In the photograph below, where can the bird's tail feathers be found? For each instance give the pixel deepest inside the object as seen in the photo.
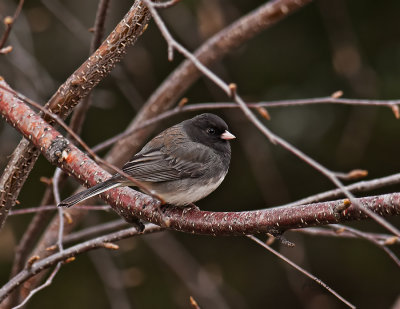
(88, 193)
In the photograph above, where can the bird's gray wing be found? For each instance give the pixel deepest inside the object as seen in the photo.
(166, 159)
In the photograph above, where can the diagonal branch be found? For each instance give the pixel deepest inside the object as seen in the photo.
(63, 256)
(77, 86)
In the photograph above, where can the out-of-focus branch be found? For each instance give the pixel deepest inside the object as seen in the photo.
(302, 270)
(77, 86)
(79, 114)
(9, 21)
(40, 265)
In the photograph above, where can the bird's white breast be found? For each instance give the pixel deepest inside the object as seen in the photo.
(194, 193)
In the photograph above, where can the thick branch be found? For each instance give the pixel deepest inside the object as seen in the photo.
(129, 203)
(77, 86)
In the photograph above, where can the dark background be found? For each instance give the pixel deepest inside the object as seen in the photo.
(353, 46)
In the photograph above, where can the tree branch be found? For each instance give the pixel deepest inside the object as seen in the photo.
(45, 263)
(77, 86)
(129, 203)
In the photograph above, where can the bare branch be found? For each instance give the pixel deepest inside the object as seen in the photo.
(78, 85)
(45, 263)
(41, 287)
(9, 21)
(368, 237)
(342, 233)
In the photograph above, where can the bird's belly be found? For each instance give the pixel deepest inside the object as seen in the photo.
(193, 191)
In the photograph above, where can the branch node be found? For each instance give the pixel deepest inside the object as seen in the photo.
(46, 180)
(356, 174)
(69, 260)
(58, 150)
(135, 221)
(32, 260)
(110, 245)
(278, 234)
(342, 206)
(263, 112)
(395, 110)
(68, 217)
(340, 230)
(6, 50)
(233, 90)
(337, 94)
(8, 20)
(193, 303)
(182, 102)
(391, 240)
(52, 248)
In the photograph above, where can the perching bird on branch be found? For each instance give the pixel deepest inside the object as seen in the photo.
(181, 165)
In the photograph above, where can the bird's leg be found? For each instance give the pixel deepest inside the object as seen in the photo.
(136, 222)
(190, 207)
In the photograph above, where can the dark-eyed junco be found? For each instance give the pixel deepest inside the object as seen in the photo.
(182, 164)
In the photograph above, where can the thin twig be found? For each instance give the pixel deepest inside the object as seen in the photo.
(319, 231)
(188, 269)
(54, 207)
(112, 279)
(30, 236)
(56, 192)
(302, 270)
(369, 238)
(10, 23)
(166, 4)
(49, 280)
(96, 230)
(361, 186)
(80, 111)
(67, 18)
(73, 251)
(228, 105)
(41, 287)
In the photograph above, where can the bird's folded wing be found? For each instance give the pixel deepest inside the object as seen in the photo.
(156, 166)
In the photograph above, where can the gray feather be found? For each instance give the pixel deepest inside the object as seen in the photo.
(84, 195)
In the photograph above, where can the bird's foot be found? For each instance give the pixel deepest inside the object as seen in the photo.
(190, 207)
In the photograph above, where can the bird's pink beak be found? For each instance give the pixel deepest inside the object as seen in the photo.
(227, 135)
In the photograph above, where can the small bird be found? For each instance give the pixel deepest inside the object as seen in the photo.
(181, 165)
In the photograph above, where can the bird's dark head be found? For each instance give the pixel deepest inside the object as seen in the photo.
(210, 130)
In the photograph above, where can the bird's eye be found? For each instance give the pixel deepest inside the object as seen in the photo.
(211, 131)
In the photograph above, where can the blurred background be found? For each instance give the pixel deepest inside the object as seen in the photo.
(353, 46)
